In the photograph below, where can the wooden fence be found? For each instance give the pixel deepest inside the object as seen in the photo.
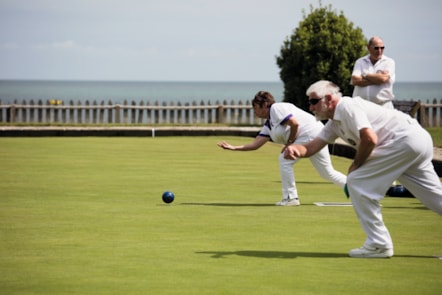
(56, 112)
(128, 113)
(430, 114)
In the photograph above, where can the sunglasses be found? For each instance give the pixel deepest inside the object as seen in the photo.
(378, 47)
(314, 101)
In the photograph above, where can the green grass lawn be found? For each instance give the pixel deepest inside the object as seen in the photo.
(85, 216)
(436, 134)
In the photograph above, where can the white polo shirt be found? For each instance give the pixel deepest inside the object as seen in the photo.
(354, 114)
(376, 93)
(280, 112)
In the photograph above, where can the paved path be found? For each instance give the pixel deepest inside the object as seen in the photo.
(437, 154)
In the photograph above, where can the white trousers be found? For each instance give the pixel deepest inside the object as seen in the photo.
(322, 163)
(406, 158)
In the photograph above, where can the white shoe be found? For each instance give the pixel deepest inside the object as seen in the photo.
(366, 252)
(288, 202)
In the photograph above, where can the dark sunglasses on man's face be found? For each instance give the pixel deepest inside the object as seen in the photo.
(314, 101)
(379, 47)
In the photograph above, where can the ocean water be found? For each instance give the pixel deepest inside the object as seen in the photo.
(118, 92)
(178, 92)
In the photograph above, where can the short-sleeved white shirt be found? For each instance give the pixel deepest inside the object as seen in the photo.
(354, 114)
(376, 93)
(276, 129)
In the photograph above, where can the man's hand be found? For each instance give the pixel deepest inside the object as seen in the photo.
(295, 151)
(292, 152)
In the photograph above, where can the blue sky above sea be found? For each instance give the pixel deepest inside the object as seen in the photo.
(196, 40)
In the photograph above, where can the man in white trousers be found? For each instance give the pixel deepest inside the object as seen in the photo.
(287, 124)
(389, 145)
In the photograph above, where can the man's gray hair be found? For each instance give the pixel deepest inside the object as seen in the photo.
(322, 88)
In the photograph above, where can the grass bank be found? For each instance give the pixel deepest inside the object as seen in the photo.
(436, 134)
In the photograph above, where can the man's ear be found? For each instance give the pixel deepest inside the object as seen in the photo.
(328, 97)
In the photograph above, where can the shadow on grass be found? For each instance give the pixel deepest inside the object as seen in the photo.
(315, 182)
(309, 182)
(303, 204)
(229, 204)
(404, 208)
(238, 204)
(289, 255)
(273, 254)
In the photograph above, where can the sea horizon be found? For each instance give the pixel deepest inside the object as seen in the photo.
(170, 81)
(186, 81)
(116, 92)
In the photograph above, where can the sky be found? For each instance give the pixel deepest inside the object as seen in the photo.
(197, 40)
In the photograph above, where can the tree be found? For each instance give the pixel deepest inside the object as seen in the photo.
(325, 46)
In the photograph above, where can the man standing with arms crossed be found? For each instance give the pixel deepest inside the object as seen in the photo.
(389, 145)
(374, 75)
